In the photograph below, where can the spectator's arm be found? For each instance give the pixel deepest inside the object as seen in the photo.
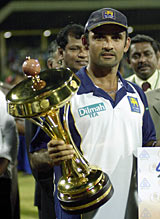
(40, 161)
(3, 165)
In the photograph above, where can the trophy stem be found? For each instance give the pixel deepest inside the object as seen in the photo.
(77, 167)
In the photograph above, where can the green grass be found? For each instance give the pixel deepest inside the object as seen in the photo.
(26, 190)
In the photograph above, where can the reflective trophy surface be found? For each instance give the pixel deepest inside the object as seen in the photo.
(39, 97)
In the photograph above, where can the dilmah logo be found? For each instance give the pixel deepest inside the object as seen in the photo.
(91, 110)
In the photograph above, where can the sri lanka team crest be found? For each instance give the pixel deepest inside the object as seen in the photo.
(134, 104)
(108, 14)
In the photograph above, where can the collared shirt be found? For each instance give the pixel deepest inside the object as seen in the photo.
(108, 133)
(154, 80)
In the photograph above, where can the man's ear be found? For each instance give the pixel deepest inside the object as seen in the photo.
(85, 42)
(126, 49)
(49, 63)
(127, 44)
(158, 55)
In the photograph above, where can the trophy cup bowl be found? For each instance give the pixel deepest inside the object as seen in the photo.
(81, 188)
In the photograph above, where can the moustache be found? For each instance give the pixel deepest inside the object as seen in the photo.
(111, 53)
(142, 65)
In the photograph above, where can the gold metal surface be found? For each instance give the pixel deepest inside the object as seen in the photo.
(26, 102)
(97, 200)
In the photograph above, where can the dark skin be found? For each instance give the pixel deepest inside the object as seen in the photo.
(143, 59)
(41, 160)
(107, 44)
(59, 151)
(3, 165)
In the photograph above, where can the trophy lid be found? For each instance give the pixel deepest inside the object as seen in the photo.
(26, 100)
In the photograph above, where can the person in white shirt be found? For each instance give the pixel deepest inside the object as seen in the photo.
(9, 195)
(143, 58)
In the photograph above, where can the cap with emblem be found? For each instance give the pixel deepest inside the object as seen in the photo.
(106, 16)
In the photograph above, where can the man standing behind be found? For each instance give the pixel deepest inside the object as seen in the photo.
(9, 194)
(143, 58)
(74, 53)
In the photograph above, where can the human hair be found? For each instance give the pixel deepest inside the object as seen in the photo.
(75, 30)
(158, 45)
(140, 38)
(52, 48)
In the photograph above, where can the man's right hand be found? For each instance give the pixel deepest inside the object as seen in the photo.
(59, 151)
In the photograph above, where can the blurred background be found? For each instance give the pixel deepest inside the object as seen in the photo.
(27, 27)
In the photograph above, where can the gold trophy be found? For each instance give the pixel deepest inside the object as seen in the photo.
(39, 97)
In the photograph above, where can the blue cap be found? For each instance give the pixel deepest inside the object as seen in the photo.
(106, 16)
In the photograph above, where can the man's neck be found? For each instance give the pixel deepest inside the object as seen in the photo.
(106, 80)
(103, 76)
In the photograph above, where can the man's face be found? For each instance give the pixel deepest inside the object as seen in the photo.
(75, 54)
(107, 45)
(143, 59)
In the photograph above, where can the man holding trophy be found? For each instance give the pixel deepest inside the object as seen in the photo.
(108, 119)
(111, 115)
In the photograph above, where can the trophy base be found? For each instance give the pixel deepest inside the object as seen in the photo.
(89, 200)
